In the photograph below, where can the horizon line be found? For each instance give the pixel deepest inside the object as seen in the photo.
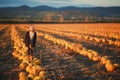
(59, 6)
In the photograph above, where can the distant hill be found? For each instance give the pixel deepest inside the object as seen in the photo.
(38, 11)
(44, 8)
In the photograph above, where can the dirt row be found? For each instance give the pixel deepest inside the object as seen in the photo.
(61, 63)
(3, 26)
(8, 64)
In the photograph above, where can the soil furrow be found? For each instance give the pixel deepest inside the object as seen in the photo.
(9, 65)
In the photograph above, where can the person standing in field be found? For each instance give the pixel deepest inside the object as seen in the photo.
(30, 41)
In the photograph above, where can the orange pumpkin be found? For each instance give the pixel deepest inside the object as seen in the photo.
(90, 55)
(26, 58)
(31, 76)
(28, 68)
(104, 59)
(37, 78)
(23, 66)
(95, 58)
(15, 53)
(109, 66)
(36, 69)
(21, 57)
(42, 75)
(22, 76)
(116, 65)
(37, 61)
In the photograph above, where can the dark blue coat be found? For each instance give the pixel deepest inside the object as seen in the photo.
(27, 40)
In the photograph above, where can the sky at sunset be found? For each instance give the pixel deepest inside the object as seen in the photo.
(60, 3)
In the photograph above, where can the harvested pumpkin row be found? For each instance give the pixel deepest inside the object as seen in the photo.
(103, 30)
(91, 54)
(29, 69)
(79, 36)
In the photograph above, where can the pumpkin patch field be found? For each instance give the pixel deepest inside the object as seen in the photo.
(62, 52)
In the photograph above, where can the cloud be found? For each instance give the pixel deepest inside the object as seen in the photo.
(60, 3)
(63, 0)
(78, 2)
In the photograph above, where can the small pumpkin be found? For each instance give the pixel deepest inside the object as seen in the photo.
(42, 75)
(36, 69)
(95, 58)
(109, 66)
(22, 76)
(28, 68)
(90, 55)
(116, 65)
(37, 61)
(104, 59)
(31, 76)
(23, 65)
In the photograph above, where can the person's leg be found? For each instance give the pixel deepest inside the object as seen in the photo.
(28, 51)
(31, 54)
